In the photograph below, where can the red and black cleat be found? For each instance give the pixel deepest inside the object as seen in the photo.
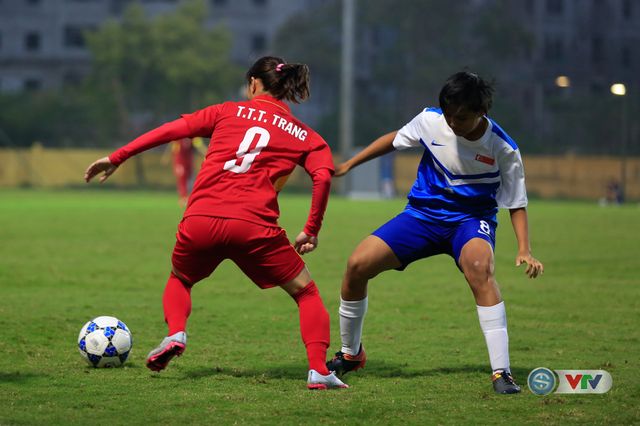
(343, 363)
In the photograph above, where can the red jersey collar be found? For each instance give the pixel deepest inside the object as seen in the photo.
(271, 100)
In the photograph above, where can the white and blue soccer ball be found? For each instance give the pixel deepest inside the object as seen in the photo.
(105, 342)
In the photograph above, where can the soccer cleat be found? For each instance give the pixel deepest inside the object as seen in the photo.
(317, 381)
(342, 363)
(503, 383)
(171, 346)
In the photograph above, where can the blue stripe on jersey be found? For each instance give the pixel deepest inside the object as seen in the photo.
(452, 176)
(432, 198)
(436, 110)
(495, 128)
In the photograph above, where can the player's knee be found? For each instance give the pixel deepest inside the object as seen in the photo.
(359, 267)
(478, 272)
(186, 281)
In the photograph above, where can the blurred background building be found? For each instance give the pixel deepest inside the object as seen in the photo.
(566, 71)
(43, 46)
(580, 49)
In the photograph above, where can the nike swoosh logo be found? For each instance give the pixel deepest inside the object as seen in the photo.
(434, 143)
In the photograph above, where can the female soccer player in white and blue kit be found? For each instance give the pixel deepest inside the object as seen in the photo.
(470, 168)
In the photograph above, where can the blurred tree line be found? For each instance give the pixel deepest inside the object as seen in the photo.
(144, 71)
(148, 70)
(405, 52)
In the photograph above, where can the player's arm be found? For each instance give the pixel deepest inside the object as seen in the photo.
(307, 240)
(168, 132)
(408, 136)
(512, 195)
(200, 123)
(382, 145)
(318, 163)
(520, 223)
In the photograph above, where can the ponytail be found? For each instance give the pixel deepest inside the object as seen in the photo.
(280, 79)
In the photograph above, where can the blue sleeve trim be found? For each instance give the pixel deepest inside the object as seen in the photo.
(495, 128)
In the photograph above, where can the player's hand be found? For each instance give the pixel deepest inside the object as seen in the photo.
(534, 266)
(305, 243)
(341, 169)
(99, 166)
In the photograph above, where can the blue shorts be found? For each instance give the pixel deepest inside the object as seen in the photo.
(412, 238)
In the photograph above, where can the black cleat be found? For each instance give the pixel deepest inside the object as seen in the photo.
(343, 363)
(503, 383)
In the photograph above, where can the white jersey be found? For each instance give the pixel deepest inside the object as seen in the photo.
(457, 178)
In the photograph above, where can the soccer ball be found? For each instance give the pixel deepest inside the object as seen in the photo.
(105, 342)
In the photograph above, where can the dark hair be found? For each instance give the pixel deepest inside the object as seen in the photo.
(469, 90)
(282, 80)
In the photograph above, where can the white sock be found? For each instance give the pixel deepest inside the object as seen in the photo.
(493, 321)
(352, 314)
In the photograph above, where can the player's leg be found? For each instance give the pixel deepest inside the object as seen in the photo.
(192, 260)
(314, 329)
(476, 260)
(370, 258)
(394, 245)
(314, 319)
(267, 257)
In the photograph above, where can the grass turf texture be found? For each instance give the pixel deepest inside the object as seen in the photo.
(66, 257)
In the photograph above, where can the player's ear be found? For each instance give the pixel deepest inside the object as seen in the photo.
(252, 87)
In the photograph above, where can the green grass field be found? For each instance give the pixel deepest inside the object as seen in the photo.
(66, 257)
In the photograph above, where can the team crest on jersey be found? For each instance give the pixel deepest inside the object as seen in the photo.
(484, 159)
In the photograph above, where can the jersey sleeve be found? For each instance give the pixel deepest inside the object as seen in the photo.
(410, 134)
(318, 163)
(319, 199)
(512, 193)
(318, 157)
(168, 132)
(202, 122)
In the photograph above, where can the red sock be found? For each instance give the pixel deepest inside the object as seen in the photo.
(314, 326)
(176, 301)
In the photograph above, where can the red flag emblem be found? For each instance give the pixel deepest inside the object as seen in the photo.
(487, 160)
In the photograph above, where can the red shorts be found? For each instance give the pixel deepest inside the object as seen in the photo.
(263, 253)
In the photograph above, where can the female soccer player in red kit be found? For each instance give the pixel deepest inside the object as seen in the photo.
(232, 212)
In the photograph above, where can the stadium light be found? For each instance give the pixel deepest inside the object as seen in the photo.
(563, 81)
(619, 89)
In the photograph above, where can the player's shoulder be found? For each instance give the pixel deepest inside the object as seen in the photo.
(429, 115)
(426, 117)
(228, 106)
(311, 135)
(432, 111)
(502, 138)
(314, 137)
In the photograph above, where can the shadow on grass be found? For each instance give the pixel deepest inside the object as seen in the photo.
(279, 372)
(18, 377)
(374, 368)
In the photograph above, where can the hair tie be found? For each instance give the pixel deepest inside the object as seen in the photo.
(279, 67)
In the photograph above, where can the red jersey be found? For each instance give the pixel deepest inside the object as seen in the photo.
(255, 145)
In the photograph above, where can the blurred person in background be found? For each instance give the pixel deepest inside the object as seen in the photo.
(469, 168)
(182, 151)
(233, 210)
